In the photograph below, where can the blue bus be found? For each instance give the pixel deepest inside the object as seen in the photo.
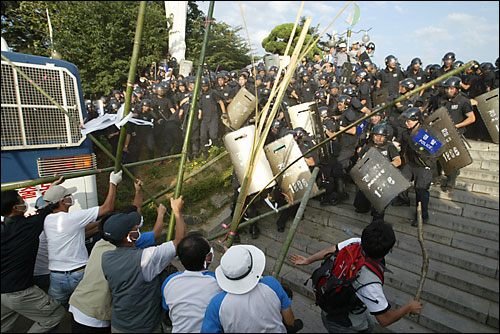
(38, 140)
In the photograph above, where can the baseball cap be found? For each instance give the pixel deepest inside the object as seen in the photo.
(356, 42)
(119, 225)
(342, 45)
(57, 193)
(240, 269)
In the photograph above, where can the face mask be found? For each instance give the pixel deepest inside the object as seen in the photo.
(207, 263)
(72, 200)
(134, 240)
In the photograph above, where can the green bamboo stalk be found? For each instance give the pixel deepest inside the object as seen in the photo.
(259, 217)
(72, 119)
(257, 150)
(169, 189)
(192, 113)
(295, 224)
(399, 99)
(35, 182)
(130, 82)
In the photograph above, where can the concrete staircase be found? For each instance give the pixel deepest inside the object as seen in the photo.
(461, 292)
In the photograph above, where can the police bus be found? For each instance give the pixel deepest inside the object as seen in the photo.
(38, 139)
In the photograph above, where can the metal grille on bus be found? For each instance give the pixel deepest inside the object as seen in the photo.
(47, 167)
(29, 119)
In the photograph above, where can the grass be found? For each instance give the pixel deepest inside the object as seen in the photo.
(157, 177)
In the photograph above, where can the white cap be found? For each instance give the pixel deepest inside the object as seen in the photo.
(342, 45)
(57, 193)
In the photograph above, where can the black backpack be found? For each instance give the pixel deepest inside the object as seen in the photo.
(332, 281)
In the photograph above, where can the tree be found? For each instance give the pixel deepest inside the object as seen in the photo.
(278, 39)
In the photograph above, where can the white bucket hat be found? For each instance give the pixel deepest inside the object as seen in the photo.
(240, 269)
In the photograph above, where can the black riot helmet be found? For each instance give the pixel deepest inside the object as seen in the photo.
(350, 90)
(146, 102)
(412, 114)
(449, 56)
(408, 83)
(486, 67)
(452, 82)
(333, 84)
(366, 63)
(300, 133)
(320, 94)
(416, 61)
(346, 99)
(160, 90)
(323, 76)
(273, 68)
(475, 65)
(370, 45)
(457, 64)
(390, 59)
(205, 82)
(382, 130)
(323, 111)
(233, 74)
(115, 105)
(362, 73)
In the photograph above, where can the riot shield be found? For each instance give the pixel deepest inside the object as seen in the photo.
(427, 141)
(380, 98)
(272, 60)
(306, 116)
(240, 108)
(378, 179)
(239, 145)
(455, 154)
(488, 109)
(294, 181)
(345, 78)
(185, 67)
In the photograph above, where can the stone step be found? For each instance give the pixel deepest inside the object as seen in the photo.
(480, 187)
(479, 174)
(294, 277)
(484, 155)
(485, 165)
(463, 196)
(482, 146)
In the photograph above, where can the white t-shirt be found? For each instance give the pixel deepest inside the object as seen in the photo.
(186, 296)
(65, 233)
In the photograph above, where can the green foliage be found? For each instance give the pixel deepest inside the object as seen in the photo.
(98, 37)
(279, 37)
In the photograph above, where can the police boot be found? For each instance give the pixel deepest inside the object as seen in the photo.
(341, 195)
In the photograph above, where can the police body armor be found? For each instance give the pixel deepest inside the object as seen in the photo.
(240, 108)
(185, 67)
(488, 109)
(294, 181)
(380, 98)
(378, 179)
(272, 60)
(455, 155)
(306, 116)
(239, 145)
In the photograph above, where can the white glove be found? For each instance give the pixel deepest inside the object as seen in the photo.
(115, 178)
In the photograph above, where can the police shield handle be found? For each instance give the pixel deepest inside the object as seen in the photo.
(425, 255)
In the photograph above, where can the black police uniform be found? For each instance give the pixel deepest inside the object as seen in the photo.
(364, 93)
(209, 127)
(420, 77)
(307, 91)
(145, 132)
(390, 80)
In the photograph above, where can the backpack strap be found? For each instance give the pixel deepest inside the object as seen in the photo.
(375, 267)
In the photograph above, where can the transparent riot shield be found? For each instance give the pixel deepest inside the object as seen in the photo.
(240, 108)
(239, 146)
(295, 180)
(455, 154)
(306, 116)
(488, 109)
(378, 179)
(272, 60)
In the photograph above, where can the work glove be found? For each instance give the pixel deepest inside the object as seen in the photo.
(115, 178)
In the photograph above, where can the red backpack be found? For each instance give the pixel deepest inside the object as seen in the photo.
(332, 281)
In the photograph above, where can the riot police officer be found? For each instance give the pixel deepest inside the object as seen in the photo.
(307, 88)
(448, 60)
(390, 77)
(207, 105)
(364, 89)
(379, 138)
(145, 132)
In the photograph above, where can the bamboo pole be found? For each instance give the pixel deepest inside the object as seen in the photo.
(256, 151)
(192, 113)
(295, 224)
(399, 99)
(208, 164)
(261, 216)
(72, 119)
(425, 255)
(130, 82)
(35, 182)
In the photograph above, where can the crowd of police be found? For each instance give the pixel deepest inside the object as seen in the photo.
(345, 85)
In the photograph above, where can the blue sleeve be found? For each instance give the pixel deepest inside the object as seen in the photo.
(278, 289)
(147, 239)
(211, 322)
(163, 302)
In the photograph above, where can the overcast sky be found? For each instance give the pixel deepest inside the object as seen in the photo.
(405, 29)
